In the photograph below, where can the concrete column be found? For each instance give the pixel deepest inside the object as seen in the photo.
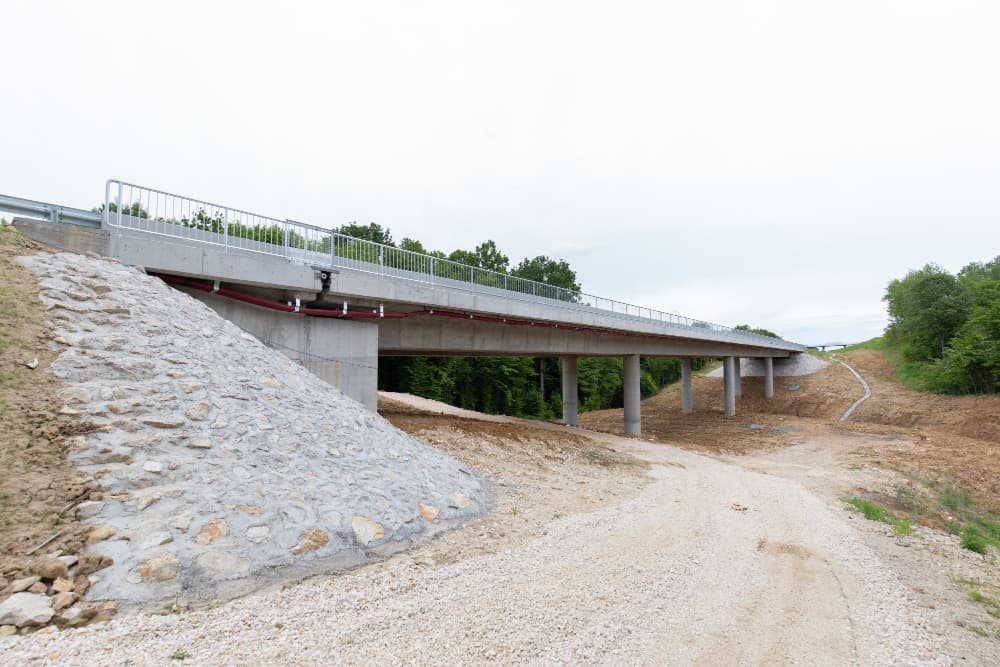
(687, 402)
(768, 378)
(569, 390)
(633, 418)
(738, 376)
(729, 386)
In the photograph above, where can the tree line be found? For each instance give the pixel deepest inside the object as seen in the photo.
(949, 325)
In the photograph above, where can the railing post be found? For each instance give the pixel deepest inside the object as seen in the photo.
(225, 228)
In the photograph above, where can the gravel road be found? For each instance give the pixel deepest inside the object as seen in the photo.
(708, 564)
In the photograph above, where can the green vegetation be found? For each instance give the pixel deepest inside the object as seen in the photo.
(756, 330)
(875, 512)
(180, 654)
(944, 334)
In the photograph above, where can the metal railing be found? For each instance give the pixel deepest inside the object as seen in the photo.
(134, 207)
(51, 212)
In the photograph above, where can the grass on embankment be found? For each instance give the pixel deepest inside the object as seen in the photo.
(915, 375)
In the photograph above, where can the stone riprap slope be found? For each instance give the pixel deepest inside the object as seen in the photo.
(223, 465)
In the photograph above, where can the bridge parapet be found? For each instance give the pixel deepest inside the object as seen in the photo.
(131, 209)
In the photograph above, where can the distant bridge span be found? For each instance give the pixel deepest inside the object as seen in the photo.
(336, 303)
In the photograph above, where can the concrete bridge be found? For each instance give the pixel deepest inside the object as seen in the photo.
(336, 303)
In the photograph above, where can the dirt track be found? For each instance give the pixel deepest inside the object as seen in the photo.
(609, 550)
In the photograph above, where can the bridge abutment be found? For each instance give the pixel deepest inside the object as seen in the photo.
(342, 353)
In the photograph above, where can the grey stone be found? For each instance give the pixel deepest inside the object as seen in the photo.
(26, 610)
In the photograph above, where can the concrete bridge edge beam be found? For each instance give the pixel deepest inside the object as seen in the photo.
(768, 378)
(570, 390)
(729, 386)
(633, 415)
(687, 404)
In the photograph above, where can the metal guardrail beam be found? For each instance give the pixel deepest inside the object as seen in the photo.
(51, 212)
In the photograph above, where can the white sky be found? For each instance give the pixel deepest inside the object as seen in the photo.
(775, 163)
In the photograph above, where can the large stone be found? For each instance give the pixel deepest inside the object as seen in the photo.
(49, 568)
(198, 411)
(428, 512)
(62, 600)
(20, 585)
(162, 568)
(26, 610)
(164, 421)
(458, 501)
(366, 531)
(88, 509)
(61, 585)
(100, 533)
(90, 562)
(212, 531)
(310, 540)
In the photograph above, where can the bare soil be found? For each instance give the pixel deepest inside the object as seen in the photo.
(925, 436)
(37, 482)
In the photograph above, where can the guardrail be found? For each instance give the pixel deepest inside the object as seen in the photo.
(163, 213)
(52, 212)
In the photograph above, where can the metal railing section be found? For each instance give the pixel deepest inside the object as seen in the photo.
(163, 213)
(51, 212)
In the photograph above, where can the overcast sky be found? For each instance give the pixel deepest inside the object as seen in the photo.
(775, 163)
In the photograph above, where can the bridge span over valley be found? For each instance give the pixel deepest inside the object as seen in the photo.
(336, 303)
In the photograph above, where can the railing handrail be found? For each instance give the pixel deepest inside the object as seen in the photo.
(381, 250)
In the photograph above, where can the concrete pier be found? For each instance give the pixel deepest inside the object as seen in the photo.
(729, 386)
(768, 378)
(569, 391)
(687, 402)
(738, 376)
(633, 417)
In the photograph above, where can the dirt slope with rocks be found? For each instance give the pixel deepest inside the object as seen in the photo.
(221, 466)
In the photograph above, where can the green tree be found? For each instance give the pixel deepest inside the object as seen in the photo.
(926, 308)
(542, 269)
(370, 232)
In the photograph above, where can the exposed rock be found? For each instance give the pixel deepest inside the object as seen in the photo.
(198, 411)
(61, 585)
(39, 588)
(310, 540)
(8, 630)
(212, 531)
(458, 500)
(164, 421)
(26, 610)
(75, 616)
(90, 562)
(199, 443)
(428, 512)
(366, 531)
(100, 533)
(20, 585)
(48, 568)
(156, 540)
(163, 568)
(33, 364)
(142, 502)
(62, 600)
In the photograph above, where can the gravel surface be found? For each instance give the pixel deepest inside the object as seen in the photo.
(707, 564)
